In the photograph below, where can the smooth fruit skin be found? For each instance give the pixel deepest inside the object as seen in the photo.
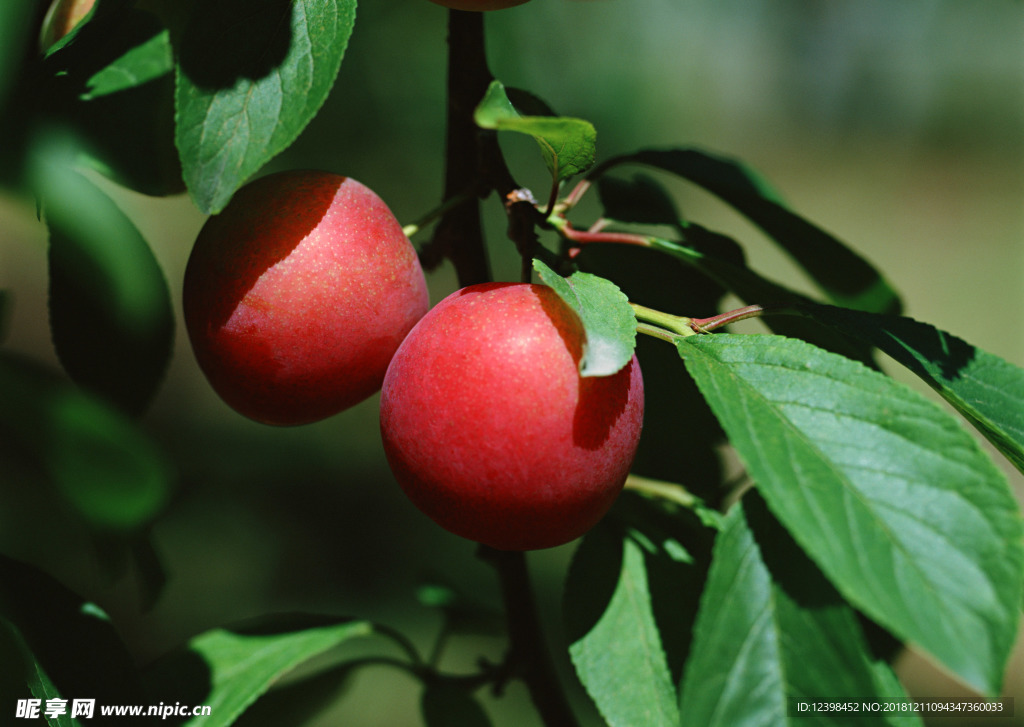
(479, 4)
(297, 295)
(490, 429)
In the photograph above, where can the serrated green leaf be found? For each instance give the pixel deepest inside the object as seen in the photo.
(607, 318)
(772, 632)
(104, 468)
(894, 501)
(842, 274)
(227, 669)
(246, 90)
(111, 315)
(567, 144)
(986, 389)
(615, 642)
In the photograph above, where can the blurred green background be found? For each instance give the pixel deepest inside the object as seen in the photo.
(897, 125)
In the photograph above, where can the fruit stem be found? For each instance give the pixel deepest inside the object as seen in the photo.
(680, 325)
(527, 646)
(706, 325)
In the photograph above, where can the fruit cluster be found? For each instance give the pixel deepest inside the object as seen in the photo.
(304, 297)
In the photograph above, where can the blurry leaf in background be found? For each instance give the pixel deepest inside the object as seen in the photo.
(889, 495)
(104, 468)
(641, 199)
(607, 318)
(451, 705)
(15, 23)
(245, 90)
(111, 315)
(568, 145)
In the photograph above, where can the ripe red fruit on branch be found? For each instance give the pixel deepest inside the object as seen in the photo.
(479, 4)
(490, 429)
(297, 295)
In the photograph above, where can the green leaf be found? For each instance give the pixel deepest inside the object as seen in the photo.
(772, 632)
(449, 705)
(567, 144)
(986, 389)
(607, 318)
(111, 314)
(846, 277)
(703, 249)
(104, 468)
(139, 65)
(245, 90)
(113, 85)
(891, 498)
(640, 199)
(615, 642)
(227, 669)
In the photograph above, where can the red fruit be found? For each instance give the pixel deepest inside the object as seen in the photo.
(490, 429)
(297, 295)
(479, 4)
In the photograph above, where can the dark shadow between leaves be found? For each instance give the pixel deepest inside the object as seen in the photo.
(72, 641)
(592, 579)
(182, 677)
(229, 40)
(904, 339)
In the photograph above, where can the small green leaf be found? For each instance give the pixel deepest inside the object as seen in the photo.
(227, 669)
(103, 467)
(245, 90)
(146, 62)
(607, 318)
(846, 277)
(111, 315)
(772, 632)
(567, 144)
(615, 642)
(891, 498)
(986, 389)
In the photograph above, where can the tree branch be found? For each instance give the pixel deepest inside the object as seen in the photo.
(459, 234)
(528, 648)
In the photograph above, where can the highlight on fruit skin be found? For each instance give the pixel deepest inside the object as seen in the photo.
(297, 295)
(479, 5)
(489, 428)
